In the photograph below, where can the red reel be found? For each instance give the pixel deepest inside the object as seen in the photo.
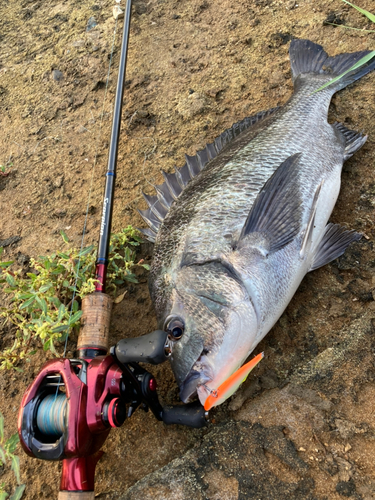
(67, 412)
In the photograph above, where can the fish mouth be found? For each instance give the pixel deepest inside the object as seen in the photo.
(198, 375)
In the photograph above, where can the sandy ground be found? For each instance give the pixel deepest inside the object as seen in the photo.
(303, 425)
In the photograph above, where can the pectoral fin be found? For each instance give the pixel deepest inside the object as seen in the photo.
(335, 241)
(277, 212)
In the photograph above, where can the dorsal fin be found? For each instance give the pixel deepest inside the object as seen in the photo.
(175, 182)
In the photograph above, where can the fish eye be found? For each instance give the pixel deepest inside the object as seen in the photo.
(175, 328)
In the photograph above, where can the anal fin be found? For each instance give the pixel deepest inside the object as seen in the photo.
(335, 241)
(353, 140)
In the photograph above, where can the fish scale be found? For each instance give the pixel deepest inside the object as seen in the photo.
(252, 175)
(233, 244)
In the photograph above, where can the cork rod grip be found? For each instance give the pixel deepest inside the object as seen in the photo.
(95, 320)
(76, 495)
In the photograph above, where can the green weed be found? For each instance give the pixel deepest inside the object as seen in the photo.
(45, 302)
(7, 449)
(5, 170)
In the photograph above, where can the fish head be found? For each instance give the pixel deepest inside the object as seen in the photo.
(219, 323)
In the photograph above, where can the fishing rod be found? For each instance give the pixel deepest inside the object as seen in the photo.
(69, 409)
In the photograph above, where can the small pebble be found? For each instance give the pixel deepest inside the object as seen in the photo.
(59, 181)
(60, 213)
(91, 23)
(57, 75)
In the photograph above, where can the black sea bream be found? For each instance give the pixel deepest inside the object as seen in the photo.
(239, 225)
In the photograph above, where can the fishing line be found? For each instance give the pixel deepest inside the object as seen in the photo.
(91, 186)
(213, 392)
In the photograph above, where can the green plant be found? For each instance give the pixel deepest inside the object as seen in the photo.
(5, 169)
(45, 303)
(364, 59)
(7, 449)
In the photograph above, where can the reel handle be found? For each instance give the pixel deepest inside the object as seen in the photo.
(191, 415)
(150, 348)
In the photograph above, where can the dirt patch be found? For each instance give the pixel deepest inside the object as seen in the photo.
(194, 68)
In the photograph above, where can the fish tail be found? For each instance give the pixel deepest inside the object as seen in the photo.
(308, 57)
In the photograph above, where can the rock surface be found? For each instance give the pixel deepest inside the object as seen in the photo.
(288, 442)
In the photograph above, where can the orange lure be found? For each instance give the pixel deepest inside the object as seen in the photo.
(231, 384)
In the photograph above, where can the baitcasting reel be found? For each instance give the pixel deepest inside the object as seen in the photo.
(69, 409)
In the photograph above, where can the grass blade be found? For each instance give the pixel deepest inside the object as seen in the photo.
(18, 493)
(64, 236)
(76, 316)
(58, 329)
(27, 303)
(355, 66)
(362, 11)
(1, 428)
(351, 28)
(16, 467)
(11, 443)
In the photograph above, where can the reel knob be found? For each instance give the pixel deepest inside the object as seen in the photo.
(114, 413)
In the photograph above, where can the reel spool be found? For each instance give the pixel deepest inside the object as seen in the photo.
(51, 415)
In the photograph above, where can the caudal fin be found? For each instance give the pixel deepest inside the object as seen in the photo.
(308, 57)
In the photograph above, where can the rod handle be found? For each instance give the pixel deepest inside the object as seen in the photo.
(76, 495)
(95, 321)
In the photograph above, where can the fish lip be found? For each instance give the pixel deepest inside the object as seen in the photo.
(188, 388)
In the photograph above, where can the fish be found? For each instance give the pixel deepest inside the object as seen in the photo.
(237, 228)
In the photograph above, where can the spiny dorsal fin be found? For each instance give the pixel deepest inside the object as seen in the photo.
(148, 233)
(175, 182)
(335, 241)
(155, 206)
(354, 140)
(277, 211)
